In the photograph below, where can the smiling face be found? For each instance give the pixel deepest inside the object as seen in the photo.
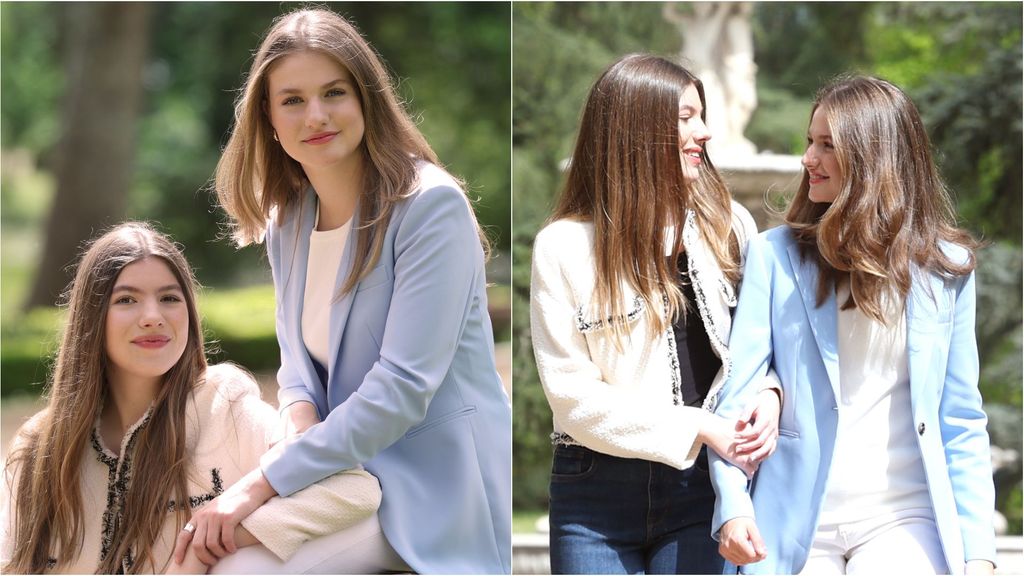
(693, 133)
(147, 322)
(820, 160)
(315, 111)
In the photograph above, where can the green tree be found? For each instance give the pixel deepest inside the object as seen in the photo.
(103, 54)
(451, 60)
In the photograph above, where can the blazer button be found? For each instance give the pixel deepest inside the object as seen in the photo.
(920, 429)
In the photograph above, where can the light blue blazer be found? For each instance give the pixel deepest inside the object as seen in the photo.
(413, 395)
(778, 325)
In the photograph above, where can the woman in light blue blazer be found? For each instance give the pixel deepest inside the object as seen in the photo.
(864, 305)
(387, 353)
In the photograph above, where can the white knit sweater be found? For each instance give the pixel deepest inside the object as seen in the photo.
(228, 428)
(627, 403)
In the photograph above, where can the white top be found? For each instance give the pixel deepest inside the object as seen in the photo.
(876, 467)
(322, 269)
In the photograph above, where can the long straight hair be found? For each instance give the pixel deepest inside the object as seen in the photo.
(48, 461)
(892, 211)
(255, 177)
(626, 178)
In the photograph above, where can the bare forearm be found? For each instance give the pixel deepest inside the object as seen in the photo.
(302, 415)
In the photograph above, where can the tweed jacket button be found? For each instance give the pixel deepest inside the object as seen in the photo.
(920, 429)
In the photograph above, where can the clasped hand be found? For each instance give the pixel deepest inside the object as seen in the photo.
(757, 429)
(751, 438)
(215, 523)
(214, 526)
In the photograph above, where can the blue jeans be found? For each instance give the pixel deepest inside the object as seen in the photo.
(614, 515)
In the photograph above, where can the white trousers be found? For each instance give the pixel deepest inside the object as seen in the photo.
(902, 543)
(359, 549)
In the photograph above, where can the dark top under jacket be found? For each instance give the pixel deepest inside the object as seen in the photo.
(698, 363)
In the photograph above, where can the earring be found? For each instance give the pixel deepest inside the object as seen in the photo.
(275, 136)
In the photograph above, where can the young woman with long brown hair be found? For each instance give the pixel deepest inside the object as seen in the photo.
(138, 431)
(864, 305)
(387, 351)
(634, 279)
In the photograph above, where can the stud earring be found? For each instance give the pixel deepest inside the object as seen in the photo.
(275, 136)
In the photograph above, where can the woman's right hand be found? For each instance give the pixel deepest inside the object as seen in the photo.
(296, 419)
(720, 435)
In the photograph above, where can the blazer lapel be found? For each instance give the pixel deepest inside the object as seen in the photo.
(295, 253)
(822, 319)
(340, 308)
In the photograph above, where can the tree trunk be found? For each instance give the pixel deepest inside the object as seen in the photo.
(104, 53)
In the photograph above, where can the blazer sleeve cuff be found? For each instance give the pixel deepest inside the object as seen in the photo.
(732, 499)
(980, 548)
(288, 396)
(277, 471)
(771, 382)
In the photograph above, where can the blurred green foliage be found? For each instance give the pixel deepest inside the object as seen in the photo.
(961, 63)
(451, 65)
(451, 60)
(525, 521)
(238, 323)
(27, 352)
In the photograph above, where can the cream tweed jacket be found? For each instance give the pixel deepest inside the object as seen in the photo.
(228, 428)
(627, 403)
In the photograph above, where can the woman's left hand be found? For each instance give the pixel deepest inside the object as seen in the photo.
(214, 524)
(759, 436)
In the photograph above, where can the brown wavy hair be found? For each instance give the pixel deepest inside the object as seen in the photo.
(255, 176)
(46, 462)
(892, 212)
(625, 177)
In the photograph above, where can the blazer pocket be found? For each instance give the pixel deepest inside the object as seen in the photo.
(932, 324)
(377, 277)
(587, 322)
(443, 419)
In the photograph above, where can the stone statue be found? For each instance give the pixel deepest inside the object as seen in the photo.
(718, 47)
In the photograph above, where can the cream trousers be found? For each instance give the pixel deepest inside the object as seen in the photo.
(359, 549)
(901, 543)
